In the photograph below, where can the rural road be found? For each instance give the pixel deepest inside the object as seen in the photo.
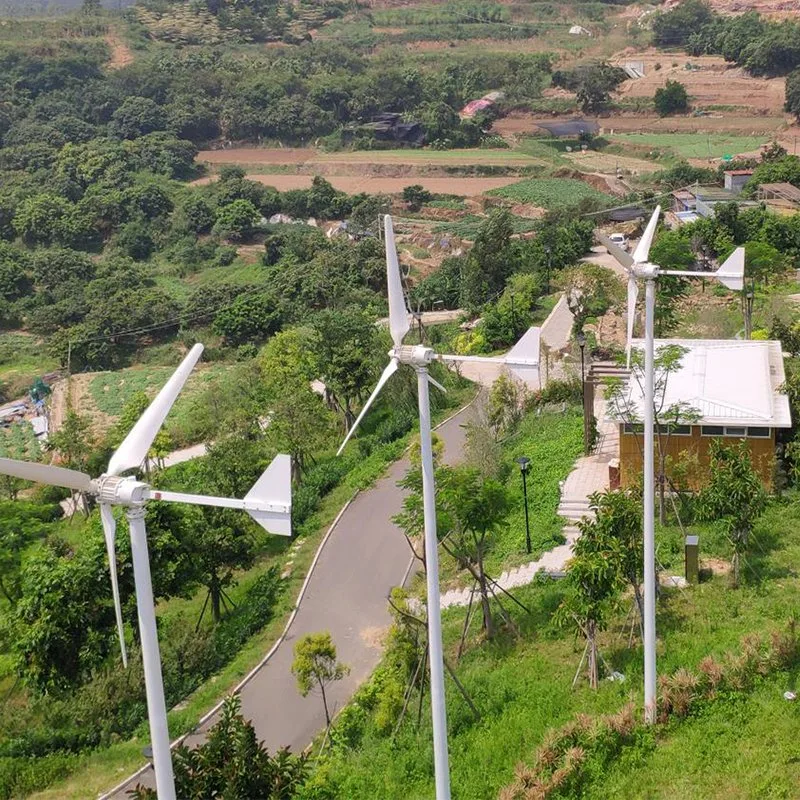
(365, 557)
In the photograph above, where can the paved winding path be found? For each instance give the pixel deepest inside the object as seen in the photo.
(364, 558)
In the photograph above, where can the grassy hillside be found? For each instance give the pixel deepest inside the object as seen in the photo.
(742, 745)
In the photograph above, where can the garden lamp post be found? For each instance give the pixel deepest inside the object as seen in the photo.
(747, 298)
(549, 252)
(524, 464)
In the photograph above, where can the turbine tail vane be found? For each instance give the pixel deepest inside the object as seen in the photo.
(731, 273)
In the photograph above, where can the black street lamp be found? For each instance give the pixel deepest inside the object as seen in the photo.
(749, 294)
(549, 251)
(524, 464)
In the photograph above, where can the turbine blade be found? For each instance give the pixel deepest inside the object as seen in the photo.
(274, 486)
(45, 473)
(642, 251)
(131, 453)
(633, 293)
(398, 313)
(623, 258)
(387, 373)
(437, 384)
(731, 273)
(110, 533)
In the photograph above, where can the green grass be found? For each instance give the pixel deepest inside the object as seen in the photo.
(695, 145)
(550, 193)
(552, 442)
(23, 358)
(742, 748)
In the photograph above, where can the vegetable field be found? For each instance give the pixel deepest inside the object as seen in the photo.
(18, 441)
(550, 193)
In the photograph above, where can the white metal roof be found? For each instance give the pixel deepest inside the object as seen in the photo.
(728, 382)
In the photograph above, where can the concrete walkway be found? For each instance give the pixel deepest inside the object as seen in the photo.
(589, 475)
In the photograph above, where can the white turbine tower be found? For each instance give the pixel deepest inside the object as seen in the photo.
(419, 357)
(268, 503)
(730, 274)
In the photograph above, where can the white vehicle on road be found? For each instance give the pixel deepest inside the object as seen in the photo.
(620, 240)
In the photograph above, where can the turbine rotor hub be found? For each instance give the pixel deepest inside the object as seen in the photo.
(646, 270)
(120, 491)
(415, 355)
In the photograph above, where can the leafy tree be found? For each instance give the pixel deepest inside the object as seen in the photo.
(470, 507)
(300, 424)
(504, 406)
(236, 221)
(763, 262)
(490, 262)
(673, 28)
(136, 117)
(792, 104)
(47, 218)
(671, 99)
(232, 763)
(74, 443)
(416, 196)
(593, 582)
(734, 496)
(671, 251)
(619, 515)
(64, 622)
(21, 524)
(315, 666)
(345, 347)
(251, 317)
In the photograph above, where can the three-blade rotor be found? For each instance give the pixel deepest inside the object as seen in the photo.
(399, 323)
(268, 502)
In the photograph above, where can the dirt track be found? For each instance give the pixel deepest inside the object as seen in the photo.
(464, 187)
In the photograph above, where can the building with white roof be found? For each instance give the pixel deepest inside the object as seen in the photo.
(733, 390)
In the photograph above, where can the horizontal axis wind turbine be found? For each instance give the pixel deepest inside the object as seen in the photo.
(638, 267)
(268, 503)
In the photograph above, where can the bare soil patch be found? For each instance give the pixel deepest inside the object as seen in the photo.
(372, 184)
(371, 161)
(711, 81)
(121, 54)
(592, 160)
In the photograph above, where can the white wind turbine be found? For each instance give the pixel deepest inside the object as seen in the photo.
(268, 503)
(730, 274)
(419, 357)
